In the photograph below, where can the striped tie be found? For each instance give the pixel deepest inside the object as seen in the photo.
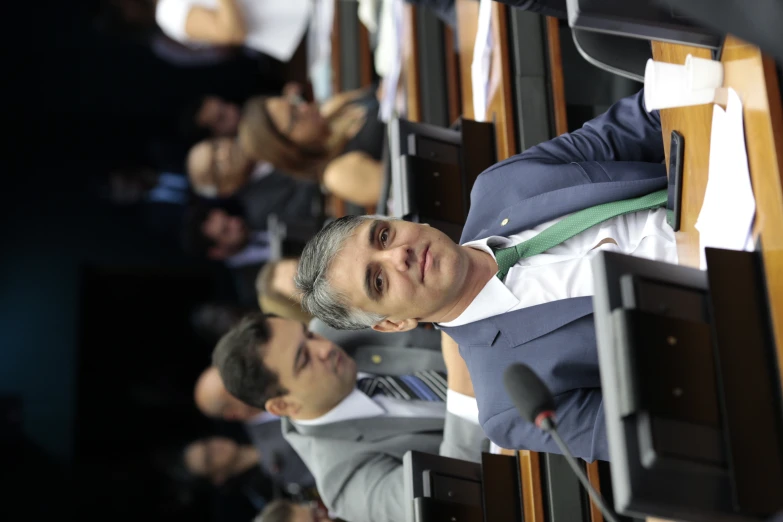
(426, 385)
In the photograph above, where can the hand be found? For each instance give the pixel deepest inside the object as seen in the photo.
(458, 375)
(292, 89)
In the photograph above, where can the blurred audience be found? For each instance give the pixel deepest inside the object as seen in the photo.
(273, 28)
(287, 511)
(277, 293)
(339, 143)
(217, 459)
(212, 320)
(218, 167)
(211, 116)
(214, 232)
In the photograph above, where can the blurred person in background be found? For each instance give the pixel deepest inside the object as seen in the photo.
(212, 116)
(218, 168)
(215, 232)
(287, 511)
(213, 319)
(218, 459)
(276, 291)
(338, 143)
(273, 28)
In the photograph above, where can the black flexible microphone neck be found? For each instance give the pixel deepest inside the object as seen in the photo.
(534, 402)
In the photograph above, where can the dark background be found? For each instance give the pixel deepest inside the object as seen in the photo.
(97, 359)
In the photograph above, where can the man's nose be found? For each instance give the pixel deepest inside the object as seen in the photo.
(398, 257)
(323, 349)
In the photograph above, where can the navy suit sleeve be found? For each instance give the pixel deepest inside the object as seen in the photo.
(580, 422)
(626, 132)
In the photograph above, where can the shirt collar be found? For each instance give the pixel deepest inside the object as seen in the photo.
(494, 299)
(357, 405)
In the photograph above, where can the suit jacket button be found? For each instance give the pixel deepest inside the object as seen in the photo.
(376, 359)
(504, 222)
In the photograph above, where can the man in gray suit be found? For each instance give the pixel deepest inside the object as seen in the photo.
(351, 428)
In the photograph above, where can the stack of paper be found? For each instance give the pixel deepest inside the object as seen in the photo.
(726, 217)
(391, 35)
(480, 67)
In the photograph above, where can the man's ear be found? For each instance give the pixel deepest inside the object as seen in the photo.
(282, 407)
(390, 326)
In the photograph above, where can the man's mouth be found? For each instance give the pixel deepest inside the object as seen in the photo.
(426, 261)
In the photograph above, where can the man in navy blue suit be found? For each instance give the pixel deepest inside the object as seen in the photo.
(390, 274)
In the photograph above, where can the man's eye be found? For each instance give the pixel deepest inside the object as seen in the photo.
(384, 237)
(379, 282)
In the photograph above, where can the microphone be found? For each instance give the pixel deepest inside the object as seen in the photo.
(535, 403)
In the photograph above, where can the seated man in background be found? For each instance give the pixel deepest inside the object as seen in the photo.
(217, 167)
(287, 511)
(276, 291)
(501, 296)
(276, 456)
(351, 429)
(216, 232)
(218, 459)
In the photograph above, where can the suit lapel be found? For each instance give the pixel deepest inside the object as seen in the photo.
(541, 208)
(522, 326)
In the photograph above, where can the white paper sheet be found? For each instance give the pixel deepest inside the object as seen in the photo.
(729, 207)
(393, 60)
(319, 49)
(482, 57)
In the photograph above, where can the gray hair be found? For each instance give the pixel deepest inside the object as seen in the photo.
(318, 296)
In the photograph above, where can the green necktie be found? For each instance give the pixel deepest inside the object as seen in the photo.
(572, 225)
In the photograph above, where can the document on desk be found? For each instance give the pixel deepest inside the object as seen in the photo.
(319, 49)
(391, 36)
(726, 216)
(482, 59)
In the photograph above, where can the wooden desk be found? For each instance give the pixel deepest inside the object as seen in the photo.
(410, 64)
(753, 76)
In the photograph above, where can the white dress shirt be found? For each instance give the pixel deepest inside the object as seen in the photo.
(358, 405)
(563, 271)
(273, 27)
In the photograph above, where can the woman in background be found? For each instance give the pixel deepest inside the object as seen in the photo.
(339, 143)
(277, 293)
(275, 28)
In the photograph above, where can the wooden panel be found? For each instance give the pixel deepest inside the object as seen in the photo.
(530, 471)
(410, 67)
(467, 17)
(336, 58)
(556, 80)
(500, 108)
(753, 77)
(595, 481)
(452, 74)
